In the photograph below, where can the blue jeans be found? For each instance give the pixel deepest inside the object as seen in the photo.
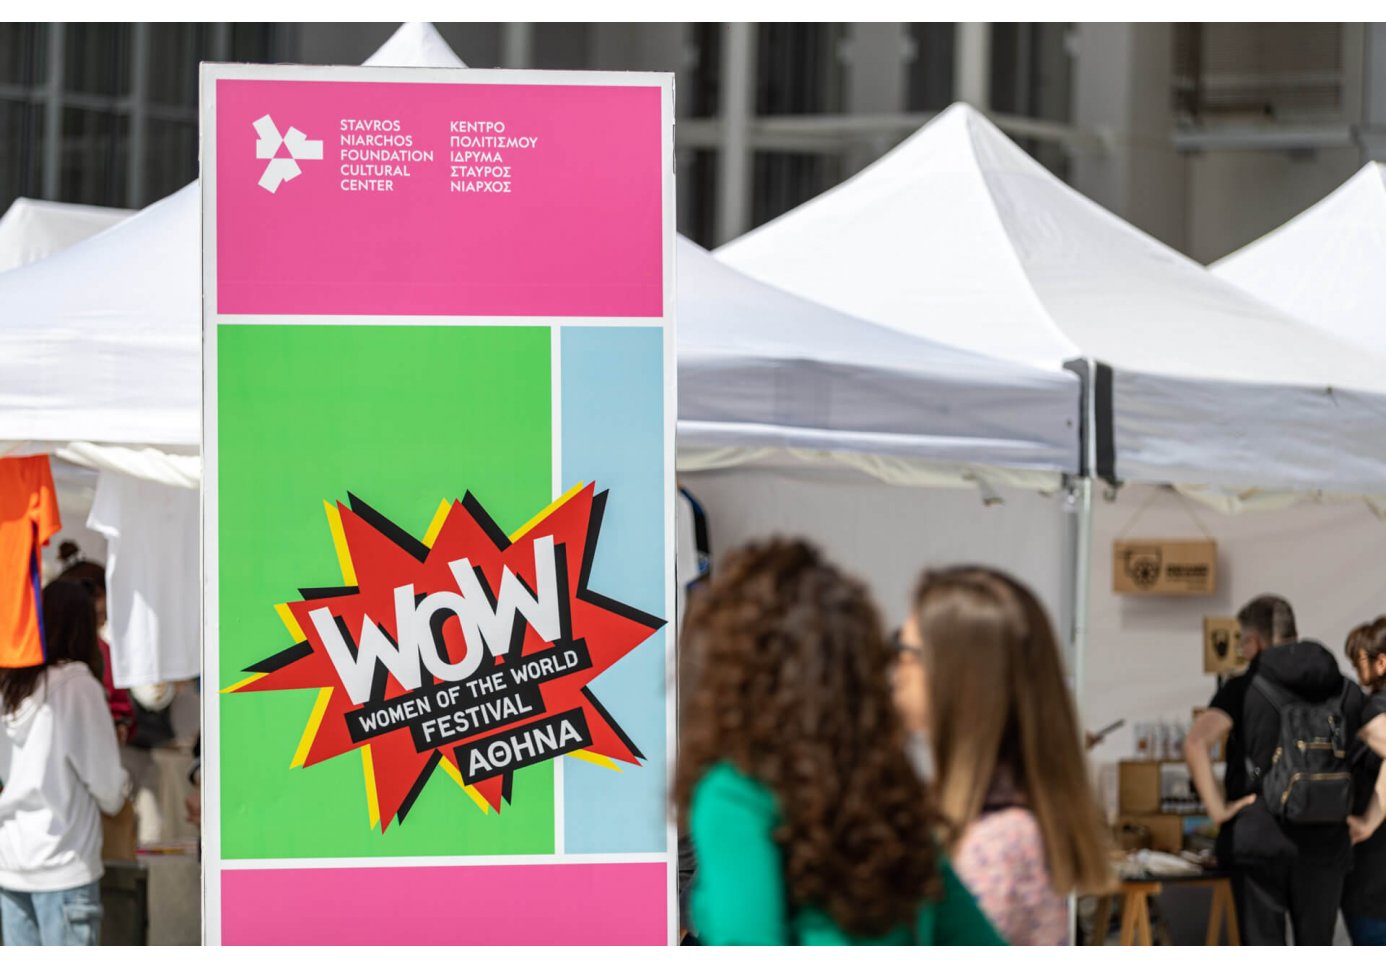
(1366, 931)
(70, 917)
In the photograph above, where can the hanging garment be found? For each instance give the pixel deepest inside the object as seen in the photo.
(693, 556)
(152, 592)
(28, 518)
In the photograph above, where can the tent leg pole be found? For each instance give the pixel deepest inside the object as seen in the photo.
(1080, 494)
(1082, 576)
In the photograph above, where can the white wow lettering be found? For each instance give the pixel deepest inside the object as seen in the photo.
(483, 626)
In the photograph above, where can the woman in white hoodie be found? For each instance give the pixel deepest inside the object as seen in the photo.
(60, 766)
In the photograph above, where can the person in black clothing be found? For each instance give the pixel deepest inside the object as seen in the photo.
(1279, 869)
(1364, 894)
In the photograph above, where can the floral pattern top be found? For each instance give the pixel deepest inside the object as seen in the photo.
(1001, 860)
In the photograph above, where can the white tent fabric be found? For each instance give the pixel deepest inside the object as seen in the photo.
(761, 369)
(33, 229)
(415, 44)
(960, 236)
(102, 341)
(1327, 265)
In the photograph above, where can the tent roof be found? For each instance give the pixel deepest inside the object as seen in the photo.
(33, 229)
(1328, 264)
(102, 341)
(415, 44)
(759, 367)
(961, 236)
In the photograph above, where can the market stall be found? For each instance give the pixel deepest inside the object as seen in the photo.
(1199, 396)
(799, 419)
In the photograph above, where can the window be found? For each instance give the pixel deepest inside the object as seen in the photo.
(21, 168)
(124, 115)
(697, 188)
(703, 102)
(931, 67)
(797, 68)
(95, 156)
(783, 180)
(1032, 76)
(22, 53)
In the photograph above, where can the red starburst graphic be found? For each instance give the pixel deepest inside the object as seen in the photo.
(520, 701)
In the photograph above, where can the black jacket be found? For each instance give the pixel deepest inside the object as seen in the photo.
(1309, 671)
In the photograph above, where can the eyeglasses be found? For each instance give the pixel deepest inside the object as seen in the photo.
(900, 647)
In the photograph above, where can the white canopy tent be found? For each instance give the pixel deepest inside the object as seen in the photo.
(960, 236)
(34, 229)
(1326, 265)
(792, 415)
(102, 341)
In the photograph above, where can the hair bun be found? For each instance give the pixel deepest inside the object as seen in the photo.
(68, 550)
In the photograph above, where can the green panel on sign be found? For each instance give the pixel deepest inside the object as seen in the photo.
(403, 417)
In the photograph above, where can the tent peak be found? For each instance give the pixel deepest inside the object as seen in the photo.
(961, 137)
(415, 44)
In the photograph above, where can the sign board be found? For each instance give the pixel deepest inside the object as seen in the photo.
(1157, 566)
(437, 508)
(1222, 645)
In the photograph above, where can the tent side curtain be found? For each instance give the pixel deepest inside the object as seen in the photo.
(1268, 437)
(1028, 423)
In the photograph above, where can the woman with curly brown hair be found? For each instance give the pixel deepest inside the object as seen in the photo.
(980, 673)
(809, 824)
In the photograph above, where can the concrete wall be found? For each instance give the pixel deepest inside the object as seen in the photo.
(1122, 93)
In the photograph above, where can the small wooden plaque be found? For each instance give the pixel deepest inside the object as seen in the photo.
(1156, 566)
(1222, 646)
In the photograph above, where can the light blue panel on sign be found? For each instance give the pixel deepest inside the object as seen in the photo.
(613, 434)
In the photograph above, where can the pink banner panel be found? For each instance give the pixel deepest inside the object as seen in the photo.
(438, 199)
(538, 904)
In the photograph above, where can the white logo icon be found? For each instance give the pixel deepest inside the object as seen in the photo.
(280, 170)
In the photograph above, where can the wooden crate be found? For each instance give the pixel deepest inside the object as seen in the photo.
(1138, 786)
(1166, 829)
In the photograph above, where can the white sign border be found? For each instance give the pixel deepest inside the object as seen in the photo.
(212, 863)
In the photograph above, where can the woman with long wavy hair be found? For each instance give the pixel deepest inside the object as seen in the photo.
(980, 673)
(809, 824)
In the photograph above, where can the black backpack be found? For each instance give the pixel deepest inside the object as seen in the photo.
(1308, 780)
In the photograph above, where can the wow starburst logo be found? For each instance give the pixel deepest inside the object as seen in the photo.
(470, 651)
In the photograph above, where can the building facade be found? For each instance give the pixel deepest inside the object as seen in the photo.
(1205, 135)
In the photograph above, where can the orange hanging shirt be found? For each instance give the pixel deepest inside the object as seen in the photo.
(28, 518)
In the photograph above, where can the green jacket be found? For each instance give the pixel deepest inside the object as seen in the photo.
(739, 894)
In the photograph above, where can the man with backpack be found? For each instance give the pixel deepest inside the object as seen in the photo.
(1290, 725)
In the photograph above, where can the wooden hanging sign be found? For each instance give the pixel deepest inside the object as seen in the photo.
(1159, 566)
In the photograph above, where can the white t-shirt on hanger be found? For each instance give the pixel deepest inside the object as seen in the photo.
(152, 594)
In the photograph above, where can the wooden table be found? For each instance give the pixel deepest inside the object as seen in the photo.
(1136, 893)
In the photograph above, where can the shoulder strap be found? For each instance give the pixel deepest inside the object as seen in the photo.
(1277, 695)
